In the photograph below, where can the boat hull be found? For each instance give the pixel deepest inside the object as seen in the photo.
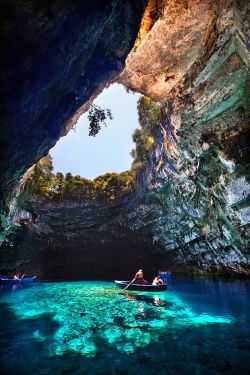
(141, 287)
(23, 281)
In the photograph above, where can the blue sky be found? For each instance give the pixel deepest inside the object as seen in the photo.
(110, 150)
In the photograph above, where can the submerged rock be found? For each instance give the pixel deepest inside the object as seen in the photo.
(191, 207)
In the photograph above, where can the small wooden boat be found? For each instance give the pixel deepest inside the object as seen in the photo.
(5, 281)
(141, 287)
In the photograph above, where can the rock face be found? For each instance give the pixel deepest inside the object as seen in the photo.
(200, 164)
(171, 47)
(192, 203)
(76, 240)
(54, 56)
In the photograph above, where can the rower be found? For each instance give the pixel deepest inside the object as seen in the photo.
(139, 277)
(157, 281)
(18, 276)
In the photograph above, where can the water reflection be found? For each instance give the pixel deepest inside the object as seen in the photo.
(158, 301)
(154, 300)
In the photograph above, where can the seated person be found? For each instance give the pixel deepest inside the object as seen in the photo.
(139, 277)
(17, 276)
(157, 281)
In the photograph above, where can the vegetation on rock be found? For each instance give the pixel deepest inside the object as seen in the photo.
(149, 118)
(110, 188)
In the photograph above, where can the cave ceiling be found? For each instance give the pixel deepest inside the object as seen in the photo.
(55, 55)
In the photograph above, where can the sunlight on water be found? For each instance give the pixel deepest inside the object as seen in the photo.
(88, 314)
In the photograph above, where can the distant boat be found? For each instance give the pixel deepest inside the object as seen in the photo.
(165, 275)
(141, 287)
(5, 281)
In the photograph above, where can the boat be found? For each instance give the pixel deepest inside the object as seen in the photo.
(165, 275)
(5, 281)
(141, 287)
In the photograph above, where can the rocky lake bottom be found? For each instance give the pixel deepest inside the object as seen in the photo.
(199, 326)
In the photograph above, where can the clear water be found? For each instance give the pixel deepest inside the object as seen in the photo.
(199, 326)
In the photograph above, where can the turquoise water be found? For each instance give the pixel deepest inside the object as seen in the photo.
(199, 326)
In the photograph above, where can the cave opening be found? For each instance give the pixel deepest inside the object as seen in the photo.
(110, 150)
(68, 216)
(183, 206)
(195, 124)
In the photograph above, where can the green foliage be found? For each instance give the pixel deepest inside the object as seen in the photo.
(96, 116)
(110, 188)
(149, 114)
(113, 187)
(137, 165)
(77, 188)
(42, 178)
(68, 177)
(149, 118)
(58, 182)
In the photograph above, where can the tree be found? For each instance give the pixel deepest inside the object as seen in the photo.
(68, 177)
(96, 116)
(149, 118)
(58, 181)
(41, 181)
(149, 114)
(110, 188)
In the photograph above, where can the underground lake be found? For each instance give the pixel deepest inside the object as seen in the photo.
(200, 325)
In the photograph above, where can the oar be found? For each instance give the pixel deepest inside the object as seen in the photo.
(129, 284)
(21, 278)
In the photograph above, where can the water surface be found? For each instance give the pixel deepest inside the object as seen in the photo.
(199, 326)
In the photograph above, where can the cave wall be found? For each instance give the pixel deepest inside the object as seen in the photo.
(68, 239)
(55, 56)
(200, 75)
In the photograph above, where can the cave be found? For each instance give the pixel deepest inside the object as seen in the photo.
(172, 231)
(189, 210)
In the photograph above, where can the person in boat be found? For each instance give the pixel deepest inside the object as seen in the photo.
(139, 277)
(18, 276)
(157, 281)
